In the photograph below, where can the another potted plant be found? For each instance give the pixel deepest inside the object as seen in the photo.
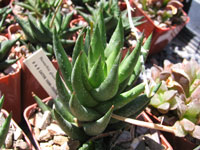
(10, 78)
(165, 18)
(38, 34)
(178, 99)
(12, 137)
(96, 81)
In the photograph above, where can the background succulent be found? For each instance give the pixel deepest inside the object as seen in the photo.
(168, 12)
(111, 12)
(4, 12)
(96, 82)
(5, 49)
(38, 32)
(38, 8)
(180, 92)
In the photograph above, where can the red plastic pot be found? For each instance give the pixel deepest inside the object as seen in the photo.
(178, 143)
(27, 113)
(4, 3)
(29, 84)
(10, 86)
(161, 36)
(122, 5)
(31, 109)
(12, 29)
(5, 113)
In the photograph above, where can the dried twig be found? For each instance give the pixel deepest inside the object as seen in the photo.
(54, 16)
(146, 124)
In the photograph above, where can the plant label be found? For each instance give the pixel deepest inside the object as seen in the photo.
(43, 70)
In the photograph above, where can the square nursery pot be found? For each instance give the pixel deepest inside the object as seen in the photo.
(30, 84)
(161, 36)
(30, 110)
(22, 135)
(178, 143)
(10, 87)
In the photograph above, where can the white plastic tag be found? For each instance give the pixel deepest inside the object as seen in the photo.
(43, 70)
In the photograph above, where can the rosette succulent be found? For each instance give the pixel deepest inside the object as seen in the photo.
(179, 91)
(165, 12)
(93, 85)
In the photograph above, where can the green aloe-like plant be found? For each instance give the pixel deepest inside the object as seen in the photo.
(180, 92)
(5, 48)
(4, 12)
(5, 125)
(38, 8)
(111, 13)
(93, 85)
(38, 32)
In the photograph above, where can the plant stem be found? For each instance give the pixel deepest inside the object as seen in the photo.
(54, 16)
(145, 124)
(133, 28)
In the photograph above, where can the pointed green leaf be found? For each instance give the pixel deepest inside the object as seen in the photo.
(63, 61)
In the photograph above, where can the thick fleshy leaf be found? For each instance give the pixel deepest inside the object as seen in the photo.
(155, 72)
(164, 108)
(196, 132)
(196, 93)
(192, 111)
(182, 78)
(179, 130)
(164, 75)
(167, 65)
(169, 95)
(155, 101)
(187, 125)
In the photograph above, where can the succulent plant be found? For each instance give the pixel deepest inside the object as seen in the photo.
(168, 12)
(38, 32)
(38, 8)
(111, 13)
(4, 127)
(5, 48)
(94, 83)
(4, 12)
(180, 92)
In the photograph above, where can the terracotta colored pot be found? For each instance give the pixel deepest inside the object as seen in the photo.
(3, 38)
(29, 84)
(178, 143)
(12, 29)
(122, 5)
(75, 22)
(27, 113)
(31, 109)
(5, 113)
(161, 36)
(4, 3)
(10, 86)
